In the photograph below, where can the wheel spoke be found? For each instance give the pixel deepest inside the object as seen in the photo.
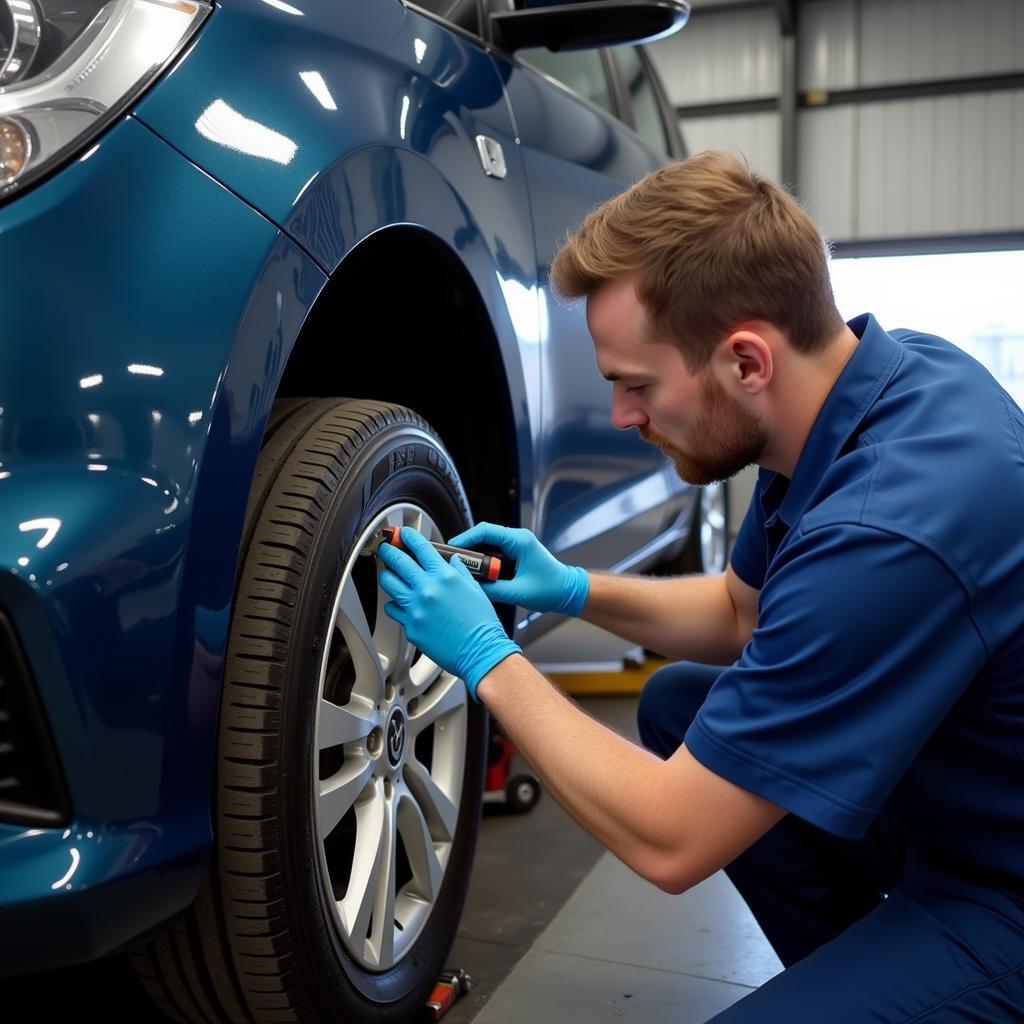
(419, 848)
(356, 631)
(388, 637)
(435, 805)
(345, 724)
(395, 651)
(448, 695)
(423, 674)
(371, 845)
(382, 940)
(338, 794)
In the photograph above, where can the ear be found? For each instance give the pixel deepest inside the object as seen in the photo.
(745, 359)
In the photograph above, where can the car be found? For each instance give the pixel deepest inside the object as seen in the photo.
(274, 277)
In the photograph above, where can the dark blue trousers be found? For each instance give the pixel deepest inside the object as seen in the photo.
(861, 940)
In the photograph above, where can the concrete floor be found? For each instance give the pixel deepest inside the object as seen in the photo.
(554, 928)
(568, 933)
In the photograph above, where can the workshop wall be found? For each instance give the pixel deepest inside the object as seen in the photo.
(908, 119)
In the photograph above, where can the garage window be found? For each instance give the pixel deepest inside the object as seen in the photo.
(972, 299)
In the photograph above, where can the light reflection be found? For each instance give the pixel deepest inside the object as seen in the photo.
(280, 5)
(91, 382)
(405, 114)
(75, 860)
(23, 561)
(145, 371)
(48, 525)
(527, 309)
(156, 416)
(151, 482)
(94, 419)
(225, 126)
(62, 566)
(98, 467)
(194, 417)
(420, 48)
(5, 474)
(315, 83)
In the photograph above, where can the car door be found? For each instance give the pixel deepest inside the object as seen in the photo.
(605, 493)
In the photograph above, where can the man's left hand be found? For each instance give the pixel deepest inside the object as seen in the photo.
(443, 610)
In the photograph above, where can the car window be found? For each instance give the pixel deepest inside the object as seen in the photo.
(583, 71)
(646, 114)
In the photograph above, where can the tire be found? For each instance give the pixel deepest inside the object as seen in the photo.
(707, 547)
(349, 766)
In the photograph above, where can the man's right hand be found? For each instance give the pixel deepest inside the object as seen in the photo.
(541, 582)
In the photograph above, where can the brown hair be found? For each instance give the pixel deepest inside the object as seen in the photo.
(711, 244)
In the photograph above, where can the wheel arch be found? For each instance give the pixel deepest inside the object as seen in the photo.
(432, 348)
(447, 295)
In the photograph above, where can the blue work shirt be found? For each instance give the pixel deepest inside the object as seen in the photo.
(887, 665)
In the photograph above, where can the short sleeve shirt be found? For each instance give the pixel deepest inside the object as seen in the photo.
(887, 665)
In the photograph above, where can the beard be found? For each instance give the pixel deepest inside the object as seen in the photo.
(732, 438)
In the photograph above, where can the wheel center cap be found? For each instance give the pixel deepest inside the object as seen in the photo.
(396, 738)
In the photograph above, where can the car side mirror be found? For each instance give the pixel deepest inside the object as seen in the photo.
(580, 24)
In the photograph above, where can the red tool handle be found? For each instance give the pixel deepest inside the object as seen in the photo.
(480, 566)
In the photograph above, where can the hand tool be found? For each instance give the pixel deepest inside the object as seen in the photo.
(481, 567)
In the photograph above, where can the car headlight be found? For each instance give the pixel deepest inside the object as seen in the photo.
(69, 67)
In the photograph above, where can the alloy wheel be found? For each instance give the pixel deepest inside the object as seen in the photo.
(391, 744)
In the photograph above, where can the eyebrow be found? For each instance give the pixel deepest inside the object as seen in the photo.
(623, 376)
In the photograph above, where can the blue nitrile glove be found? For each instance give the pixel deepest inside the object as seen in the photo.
(442, 610)
(541, 583)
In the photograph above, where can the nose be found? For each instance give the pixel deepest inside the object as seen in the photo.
(627, 410)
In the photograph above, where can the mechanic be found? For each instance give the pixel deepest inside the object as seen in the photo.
(846, 733)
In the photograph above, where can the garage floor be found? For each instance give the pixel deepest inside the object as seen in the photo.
(554, 929)
(574, 935)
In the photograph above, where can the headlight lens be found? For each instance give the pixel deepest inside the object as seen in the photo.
(69, 67)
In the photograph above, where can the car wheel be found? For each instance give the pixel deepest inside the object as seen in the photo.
(707, 547)
(349, 766)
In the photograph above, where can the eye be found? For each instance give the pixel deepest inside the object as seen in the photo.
(636, 389)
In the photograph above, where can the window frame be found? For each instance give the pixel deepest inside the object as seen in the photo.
(669, 122)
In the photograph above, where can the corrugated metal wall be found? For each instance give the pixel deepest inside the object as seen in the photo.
(868, 167)
(721, 57)
(754, 135)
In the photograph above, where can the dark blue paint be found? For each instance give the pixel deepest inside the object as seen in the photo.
(193, 240)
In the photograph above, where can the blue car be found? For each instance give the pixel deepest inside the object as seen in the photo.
(274, 277)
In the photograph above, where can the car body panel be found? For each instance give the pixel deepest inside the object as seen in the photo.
(400, 148)
(155, 288)
(127, 450)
